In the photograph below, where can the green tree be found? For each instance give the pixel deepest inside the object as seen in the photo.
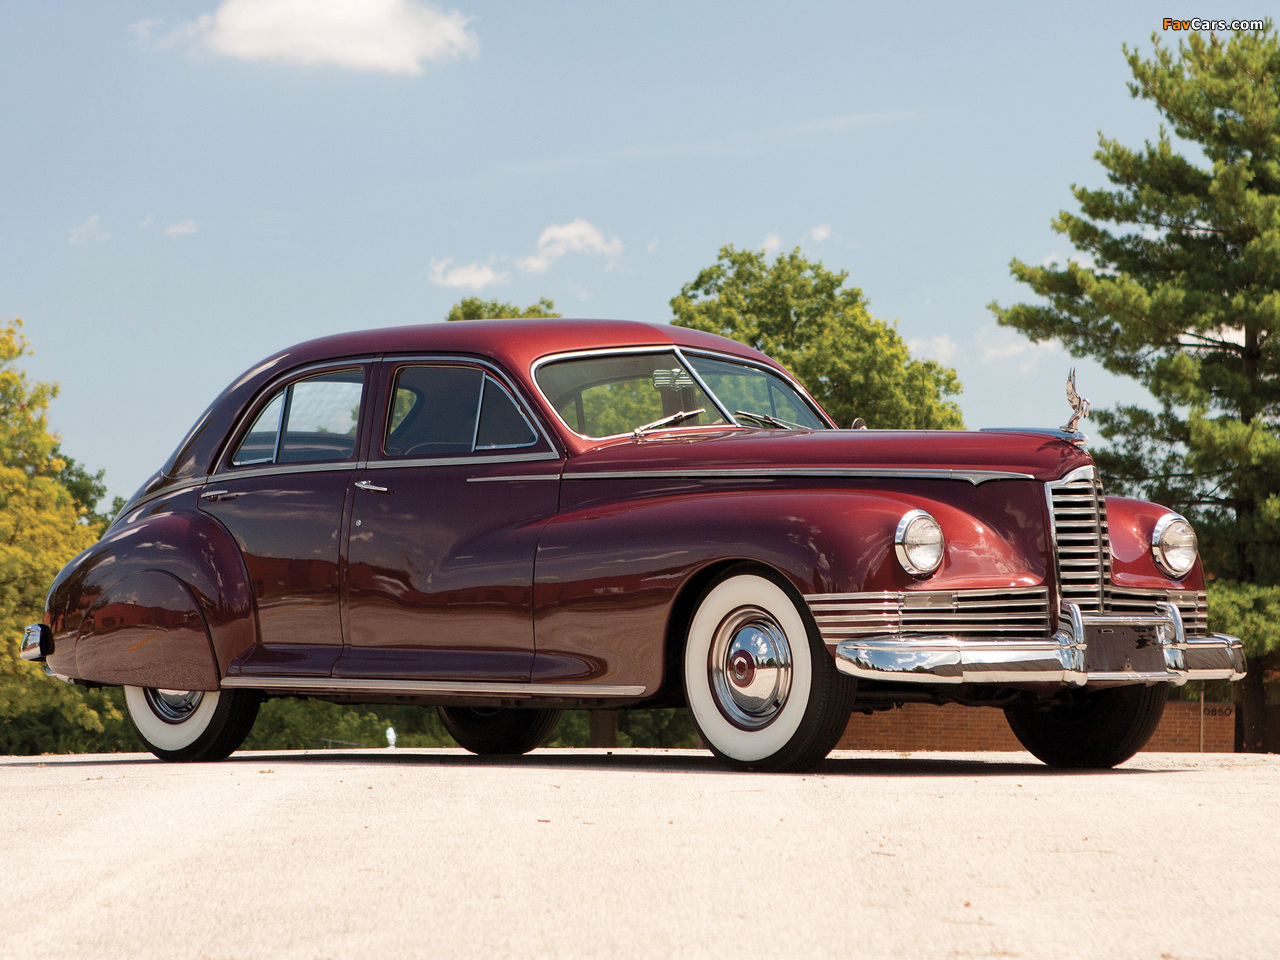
(41, 527)
(1178, 286)
(473, 308)
(803, 315)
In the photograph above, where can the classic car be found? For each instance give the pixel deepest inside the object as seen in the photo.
(504, 519)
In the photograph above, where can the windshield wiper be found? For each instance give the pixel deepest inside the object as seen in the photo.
(765, 420)
(675, 418)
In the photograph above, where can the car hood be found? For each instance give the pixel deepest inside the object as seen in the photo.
(975, 456)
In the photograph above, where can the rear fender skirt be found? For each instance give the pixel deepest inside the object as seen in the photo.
(147, 631)
(168, 536)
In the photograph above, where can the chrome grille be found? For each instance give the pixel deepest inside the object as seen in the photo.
(1012, 613)
(1082, 548)
(1192, 604)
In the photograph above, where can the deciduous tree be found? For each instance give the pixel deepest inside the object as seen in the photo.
(41, 528)
(804, 316)
(473, 308)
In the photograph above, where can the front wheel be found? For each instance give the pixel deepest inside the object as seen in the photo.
(499, 731)
(764, 692)
(187, 725)
(1093, 730)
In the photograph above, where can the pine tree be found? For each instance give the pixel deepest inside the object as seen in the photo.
(1178, 285)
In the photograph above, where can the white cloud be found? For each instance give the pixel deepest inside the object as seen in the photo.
(385, 36)
(941, 348)
(651, 246)
(472, 276)
(820, 232)
(577, 236)
(182, 229)
(1002, 345)
(92, 230)
(771, 244)
(147, 222)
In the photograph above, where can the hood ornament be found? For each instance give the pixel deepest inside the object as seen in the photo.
(1078, 404)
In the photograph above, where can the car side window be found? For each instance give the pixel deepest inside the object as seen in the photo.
(441, 410)
(309, 421)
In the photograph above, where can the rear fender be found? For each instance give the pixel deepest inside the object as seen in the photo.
(166, 537)
(147, 631)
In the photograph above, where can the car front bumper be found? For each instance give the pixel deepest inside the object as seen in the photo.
(1063, 658)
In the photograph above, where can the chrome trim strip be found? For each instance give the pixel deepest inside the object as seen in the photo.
(514, 476)
(857, 473)
(462, 461)
(1058, 433)
(159, 494)
(511, 691)
(280, 470)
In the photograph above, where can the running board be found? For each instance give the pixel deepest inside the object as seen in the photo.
(475, 688)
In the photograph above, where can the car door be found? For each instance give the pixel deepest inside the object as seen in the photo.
(281, 490)
(445, 521)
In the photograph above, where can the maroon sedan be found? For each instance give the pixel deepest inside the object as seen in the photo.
(503, 519)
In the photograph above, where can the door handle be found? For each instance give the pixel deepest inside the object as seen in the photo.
(217, 496)
(366, 485)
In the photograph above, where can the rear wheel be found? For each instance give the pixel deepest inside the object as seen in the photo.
(764, 692)
(1093, 730)
(188, 725)
(499, 731)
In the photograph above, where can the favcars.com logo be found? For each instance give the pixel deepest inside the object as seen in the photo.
(1195, 23)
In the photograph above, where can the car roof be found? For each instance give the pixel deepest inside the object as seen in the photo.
(514, 343)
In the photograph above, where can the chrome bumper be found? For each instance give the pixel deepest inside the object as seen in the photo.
(37, 642)
(1062, 658)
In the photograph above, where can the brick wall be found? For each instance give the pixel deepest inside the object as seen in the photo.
(920, 726)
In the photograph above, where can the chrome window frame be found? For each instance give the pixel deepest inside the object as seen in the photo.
(223, 469)
(380, 461)
(682, 353)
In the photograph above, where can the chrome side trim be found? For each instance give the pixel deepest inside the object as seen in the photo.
(511, 691)
(1074, 436)
(467, 461)
(277, 469)
(1057, 659)
(858, 473)
(514, 476)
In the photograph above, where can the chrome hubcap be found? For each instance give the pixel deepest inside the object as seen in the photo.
(750, 668)
(173, 706)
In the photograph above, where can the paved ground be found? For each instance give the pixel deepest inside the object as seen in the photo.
(634, 853)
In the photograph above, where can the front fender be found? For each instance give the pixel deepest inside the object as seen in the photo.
(607, 574)
(169, 538)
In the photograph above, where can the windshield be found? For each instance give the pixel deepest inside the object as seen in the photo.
(612, 395)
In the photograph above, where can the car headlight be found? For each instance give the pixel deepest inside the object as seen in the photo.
(1173, 544)
(918, 543)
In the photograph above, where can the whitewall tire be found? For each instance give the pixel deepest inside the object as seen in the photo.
(764, 692)
(191, 724)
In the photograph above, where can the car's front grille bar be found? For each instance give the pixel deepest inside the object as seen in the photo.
(1082, 545)
(1013, 613)
(1192, 604)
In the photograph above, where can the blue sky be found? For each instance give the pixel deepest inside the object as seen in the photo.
(189, 186)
